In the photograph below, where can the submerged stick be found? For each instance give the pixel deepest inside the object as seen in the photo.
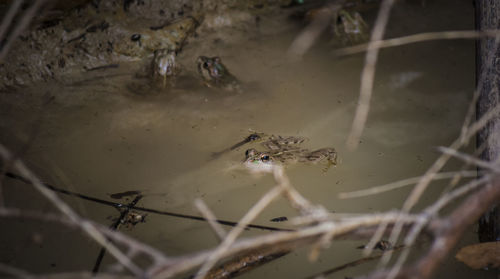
(247, 262)
(139, 208)
(250, 138)
(114, 227)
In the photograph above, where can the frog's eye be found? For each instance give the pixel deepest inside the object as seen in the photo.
(253, 137)
(205, 65)
(264, 158)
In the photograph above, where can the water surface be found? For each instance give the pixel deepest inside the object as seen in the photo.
(118, 133)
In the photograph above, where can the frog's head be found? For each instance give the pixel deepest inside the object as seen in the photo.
(164, 62)
(258, 161)
(210, 68)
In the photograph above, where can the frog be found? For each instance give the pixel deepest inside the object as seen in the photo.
(133, 218)
(347, 27)
(164, 66)
(286, 151)
(215, 75)
(382, 245)
(350, 28)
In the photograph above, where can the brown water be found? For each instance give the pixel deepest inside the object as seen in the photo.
(99, 137)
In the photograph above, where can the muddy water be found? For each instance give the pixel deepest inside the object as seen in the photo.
(113, 132)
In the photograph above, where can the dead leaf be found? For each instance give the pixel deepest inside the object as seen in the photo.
(480, 255)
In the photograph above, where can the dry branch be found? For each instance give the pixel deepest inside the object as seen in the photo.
(447, 231)
(118, 237)
(139, 208)
(368, 75)
(349, 227)
(402, 183)
(20, 27)
(212, 220)
(418, 38)
(85, 225)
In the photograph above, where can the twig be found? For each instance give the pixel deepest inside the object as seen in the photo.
(470, 115)
(210, 217)
(294, 197)
(297, 238)
(322, 243)
(447, 198)
(417, 38)
(139, 208)
(430, 213)
(368, 75)
(236, 231)
(114, 226)
(377, 236)
(310, 34)
(434, 169)
(24, 22)
(439, 163)
(85, 225)
(7, 20)
(402, 183)
(468, 159)
(454, 181)
(156, 255)
(327, 272)
(479, 124)
(448, 231)
(247, 262)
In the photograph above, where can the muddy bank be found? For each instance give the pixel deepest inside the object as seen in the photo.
(102, 33)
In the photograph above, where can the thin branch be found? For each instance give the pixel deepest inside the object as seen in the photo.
(470, 114)
(454, 181)
(311, 33)
(20, 27)
(368, 75)
(422, 185)
(7, 20)
(402, 183)
(297, 238)
(235, 232)
(296, 200)
(209, 215)
(448, 231)
(139, 208)
(156, 255)
(330, 271)
(453, 195)
(123, 215)
(441, 161)
(430, 213)
(479, 124)
(417, 38)
(468, 158)
(377, 236)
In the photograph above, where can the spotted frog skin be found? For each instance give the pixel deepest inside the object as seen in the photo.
(215, 74)
(164, 66)
(285, 151)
